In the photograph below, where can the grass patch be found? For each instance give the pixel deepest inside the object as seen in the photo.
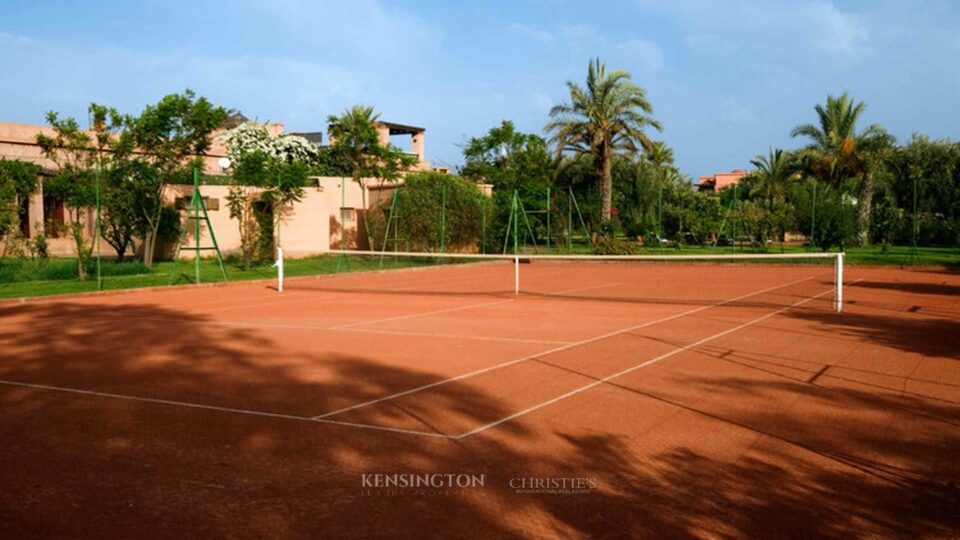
(23, 278)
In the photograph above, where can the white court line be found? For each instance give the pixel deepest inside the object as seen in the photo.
(240, 285)
(650, 362)
(322, 420)
(420, 314)
(450, 310)
(217, 408)
(412, 285)
(452, 336)
(581, 289)
(376, 331)
(551, 351)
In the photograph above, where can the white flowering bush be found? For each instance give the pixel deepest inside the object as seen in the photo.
(252, 137)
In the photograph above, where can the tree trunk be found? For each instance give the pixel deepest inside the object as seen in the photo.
(866, 202)
(363, 211)
(605, 172)
(149, 245)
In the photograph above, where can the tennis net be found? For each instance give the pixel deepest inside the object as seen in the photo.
(813, 279)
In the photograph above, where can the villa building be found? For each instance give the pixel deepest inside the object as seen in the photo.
(314, 225)
(721, 180)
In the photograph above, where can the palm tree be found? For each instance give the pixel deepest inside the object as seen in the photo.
(607, 117)
(837, 151)
(659, 154)
(769, 184)
(772, 175)
(354, 135)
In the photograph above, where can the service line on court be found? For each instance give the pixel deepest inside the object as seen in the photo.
(217, 408)
(551, 351)
(451, 310)
(631, 369)
(386, 332)
(409, 286)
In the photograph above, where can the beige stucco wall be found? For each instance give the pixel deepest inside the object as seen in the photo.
(309, 227)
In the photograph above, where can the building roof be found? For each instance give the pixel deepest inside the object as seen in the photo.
(316, 137)
(402, 129)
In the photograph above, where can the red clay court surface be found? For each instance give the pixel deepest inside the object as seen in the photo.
(666, 405)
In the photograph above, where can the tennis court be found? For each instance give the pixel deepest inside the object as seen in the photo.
(581, 397)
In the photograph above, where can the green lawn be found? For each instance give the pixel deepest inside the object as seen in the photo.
(871, 255)
(23, 278)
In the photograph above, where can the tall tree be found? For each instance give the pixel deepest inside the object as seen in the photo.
(506, 157)
(605, 118)
(18, 181)
(114, 164)
(73, 152)
(354, 137)
(659, 154)
(171, 136)
(767, 187)
(772, 174)
(837, 151)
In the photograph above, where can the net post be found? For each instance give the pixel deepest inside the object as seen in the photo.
(279, 265)
(838, 283)
(516, 274)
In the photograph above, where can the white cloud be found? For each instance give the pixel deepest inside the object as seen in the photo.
(534, 33)
(277, 89)
(642, 52)
(770, 25)
(373, 30)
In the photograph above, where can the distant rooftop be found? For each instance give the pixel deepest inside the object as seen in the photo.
(316, 137)
(402, 129)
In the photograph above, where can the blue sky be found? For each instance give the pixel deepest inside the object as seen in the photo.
(727, 78)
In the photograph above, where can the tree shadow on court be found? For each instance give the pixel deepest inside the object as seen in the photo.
(912, 287)
(933, 337)
(802, 475)
(124, 419)
(251, 464)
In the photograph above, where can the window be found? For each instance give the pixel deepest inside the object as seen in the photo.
(53, 217)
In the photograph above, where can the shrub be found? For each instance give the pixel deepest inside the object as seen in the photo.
(612, 245)
(433, 210)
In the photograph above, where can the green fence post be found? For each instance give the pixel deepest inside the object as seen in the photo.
(660, 212)
(196, 220)
(548, 219)
(569, 219)
(443, 218)
(483, 225)
(914, 254)
(813, 218)
(515, 207)
(98, 232)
